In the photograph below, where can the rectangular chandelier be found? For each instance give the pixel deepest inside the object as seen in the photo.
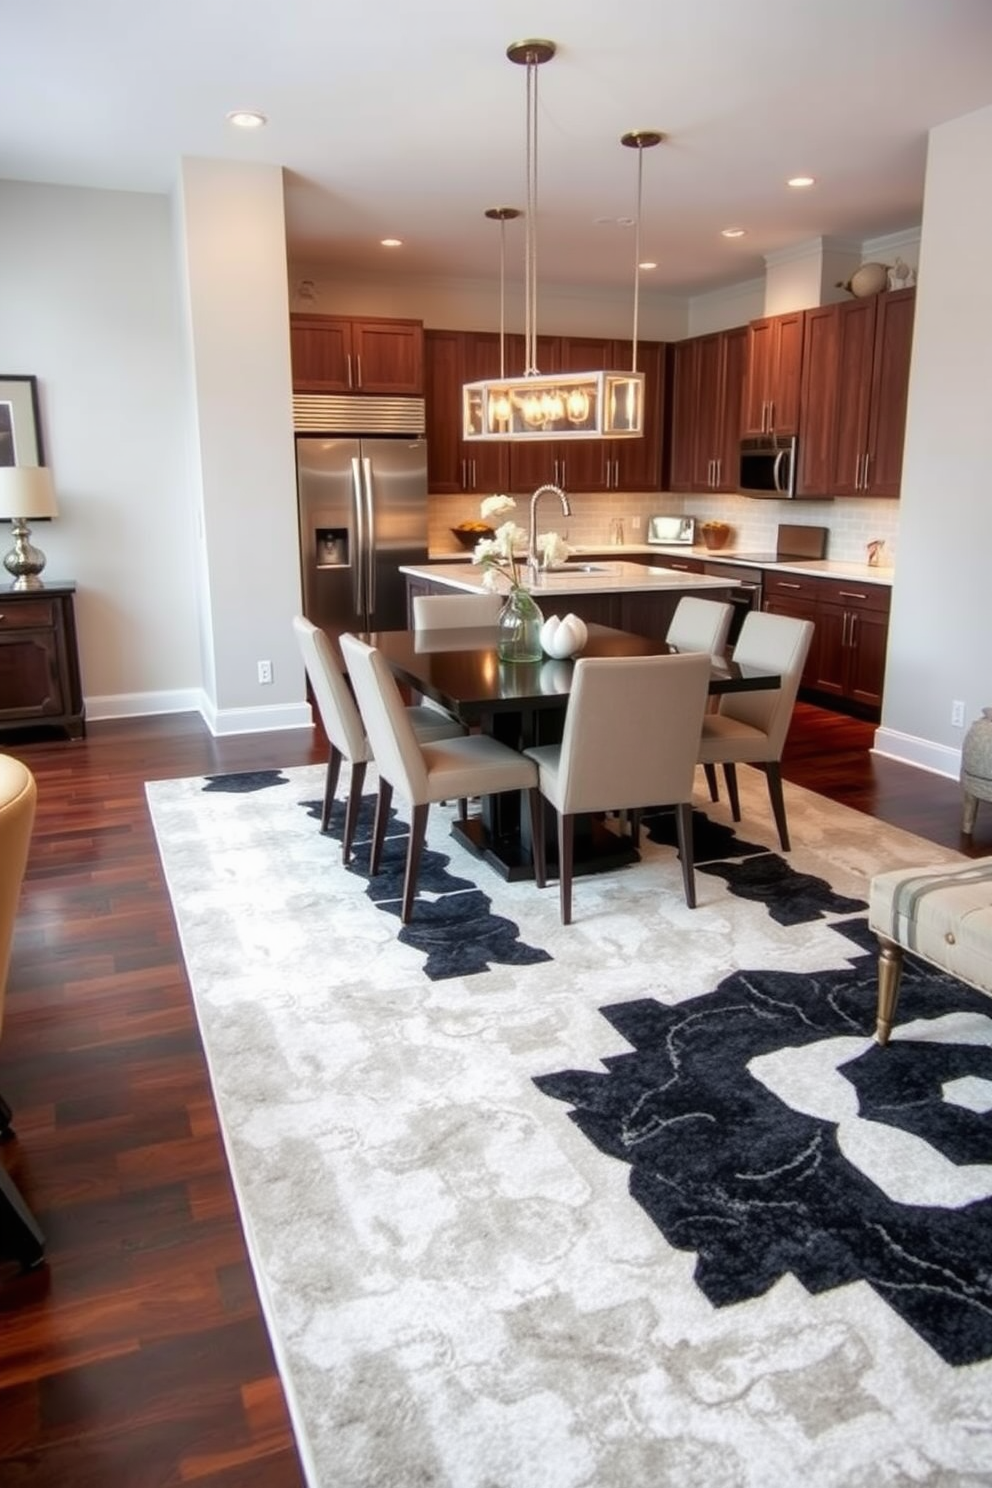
(566, 405)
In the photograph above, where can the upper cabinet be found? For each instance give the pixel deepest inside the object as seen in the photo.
(706, 382)
(342, 354)
(854, 387)
(774, 370)
(588, 465)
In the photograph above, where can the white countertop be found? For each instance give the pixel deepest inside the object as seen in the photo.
(828, 568)
(610, 577)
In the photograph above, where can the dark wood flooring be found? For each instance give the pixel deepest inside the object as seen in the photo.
(137, 1356)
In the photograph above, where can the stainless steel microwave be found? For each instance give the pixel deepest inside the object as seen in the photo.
(768, 467)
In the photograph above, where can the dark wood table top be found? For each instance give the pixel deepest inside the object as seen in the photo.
(460, 669)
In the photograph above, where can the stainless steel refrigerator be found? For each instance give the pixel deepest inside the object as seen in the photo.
(363, 512)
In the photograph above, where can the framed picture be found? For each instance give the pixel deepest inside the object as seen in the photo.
(20, 426)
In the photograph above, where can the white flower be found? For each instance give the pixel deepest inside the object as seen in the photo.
(497, 554)
(495, 506)
(553, 549)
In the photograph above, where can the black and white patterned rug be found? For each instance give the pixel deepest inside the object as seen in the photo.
(635, 1201)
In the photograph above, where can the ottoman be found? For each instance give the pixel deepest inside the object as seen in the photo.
(943, 915)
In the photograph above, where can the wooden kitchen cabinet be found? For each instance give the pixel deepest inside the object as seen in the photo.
(452, 358)
(773, 374)
(796, 595)
(344, 354)
(707, 382)
(39, 660)
(854, 389)
(852, 621)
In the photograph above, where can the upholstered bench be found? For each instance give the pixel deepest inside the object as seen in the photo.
(943, 915)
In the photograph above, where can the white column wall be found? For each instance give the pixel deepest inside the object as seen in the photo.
(939, 639)
(233, 247)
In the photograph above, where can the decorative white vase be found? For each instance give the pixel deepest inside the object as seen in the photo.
(563, 636)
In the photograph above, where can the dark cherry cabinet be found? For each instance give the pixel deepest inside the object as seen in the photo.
(707, 381)
(854, 389)
(846, 661)
(344, 354)
(39, 660)
(773, 374)
(453, 358)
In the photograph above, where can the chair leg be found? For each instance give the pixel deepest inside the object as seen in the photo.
(6, 1117)
(566, 848)
(710, 772)
(462, 808)
(330, 786)
(730, 776)
(683, 822)
(20, 1235)
(889, 973)
(418, 831)
(538, 846)
(634, 818)
(352, 809)
(382, 805)
(777, 799)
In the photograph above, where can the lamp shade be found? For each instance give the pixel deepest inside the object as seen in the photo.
(27, 491)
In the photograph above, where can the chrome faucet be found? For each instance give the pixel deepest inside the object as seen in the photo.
(533, 560)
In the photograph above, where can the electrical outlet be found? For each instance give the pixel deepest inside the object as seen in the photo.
(635, 524)
(265, 672)
(957, 714)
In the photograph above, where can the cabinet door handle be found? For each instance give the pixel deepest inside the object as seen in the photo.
(350, 383)
(781, 584)
(475, 483)
(850, 594)
(464, 475)
(682, 567)
(616, 475)
(358, 361)
(561, 480)
(719, 473)
(771, 417)
(857, 472)
(843, 630)
(864, 472)
(851, 628)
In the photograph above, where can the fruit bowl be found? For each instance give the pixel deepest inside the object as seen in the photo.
(469, 533)
(715, 534)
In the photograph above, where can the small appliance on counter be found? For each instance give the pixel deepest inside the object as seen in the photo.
(672, 531)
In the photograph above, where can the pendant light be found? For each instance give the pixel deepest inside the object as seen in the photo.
(567, 405)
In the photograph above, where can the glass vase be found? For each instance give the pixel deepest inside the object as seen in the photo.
(519, 628)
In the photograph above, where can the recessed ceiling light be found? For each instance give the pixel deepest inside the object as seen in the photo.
(246, 118)
(800, 182)
(733, 232)
(391, 242)
(647, 264)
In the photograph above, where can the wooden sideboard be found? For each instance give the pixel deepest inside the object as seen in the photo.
(39, 660)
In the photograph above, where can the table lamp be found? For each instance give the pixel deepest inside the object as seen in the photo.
(25, 491)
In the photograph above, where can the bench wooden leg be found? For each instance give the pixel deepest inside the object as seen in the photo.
(889, 972)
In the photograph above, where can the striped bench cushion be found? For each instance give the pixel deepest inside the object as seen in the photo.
(943, 914)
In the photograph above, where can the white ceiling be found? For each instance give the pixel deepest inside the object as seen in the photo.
(404, 118)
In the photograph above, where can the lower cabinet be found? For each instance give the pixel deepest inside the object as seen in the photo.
(846, 662)
(39, 660)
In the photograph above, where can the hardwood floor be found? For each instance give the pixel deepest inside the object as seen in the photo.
(137, 1356)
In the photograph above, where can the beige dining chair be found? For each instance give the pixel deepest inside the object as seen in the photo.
(750, 728)
(455, 611)
(631, 739)
(700, 625)
(423, 773)
(343, 726)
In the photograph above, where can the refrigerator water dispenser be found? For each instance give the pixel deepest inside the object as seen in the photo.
(332, 547)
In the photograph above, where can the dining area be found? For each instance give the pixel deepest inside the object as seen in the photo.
(549, 765)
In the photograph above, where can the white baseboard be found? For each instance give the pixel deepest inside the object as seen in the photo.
(220, 722)
(923, 753)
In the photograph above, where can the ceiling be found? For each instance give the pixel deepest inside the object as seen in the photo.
(404, 118)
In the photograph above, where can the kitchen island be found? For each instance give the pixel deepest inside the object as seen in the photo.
(626, 596)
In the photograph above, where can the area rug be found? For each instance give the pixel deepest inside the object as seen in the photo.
(636, 1201)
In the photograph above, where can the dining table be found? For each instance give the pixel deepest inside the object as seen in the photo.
(522, 704)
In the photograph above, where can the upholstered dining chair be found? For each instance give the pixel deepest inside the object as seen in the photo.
(700, 625)
(423, 772)
(750, 727)
(631, 739)
(343, 725)
(451, 611)
(18, 798)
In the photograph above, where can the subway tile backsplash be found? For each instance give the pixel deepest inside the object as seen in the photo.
(853, 522)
